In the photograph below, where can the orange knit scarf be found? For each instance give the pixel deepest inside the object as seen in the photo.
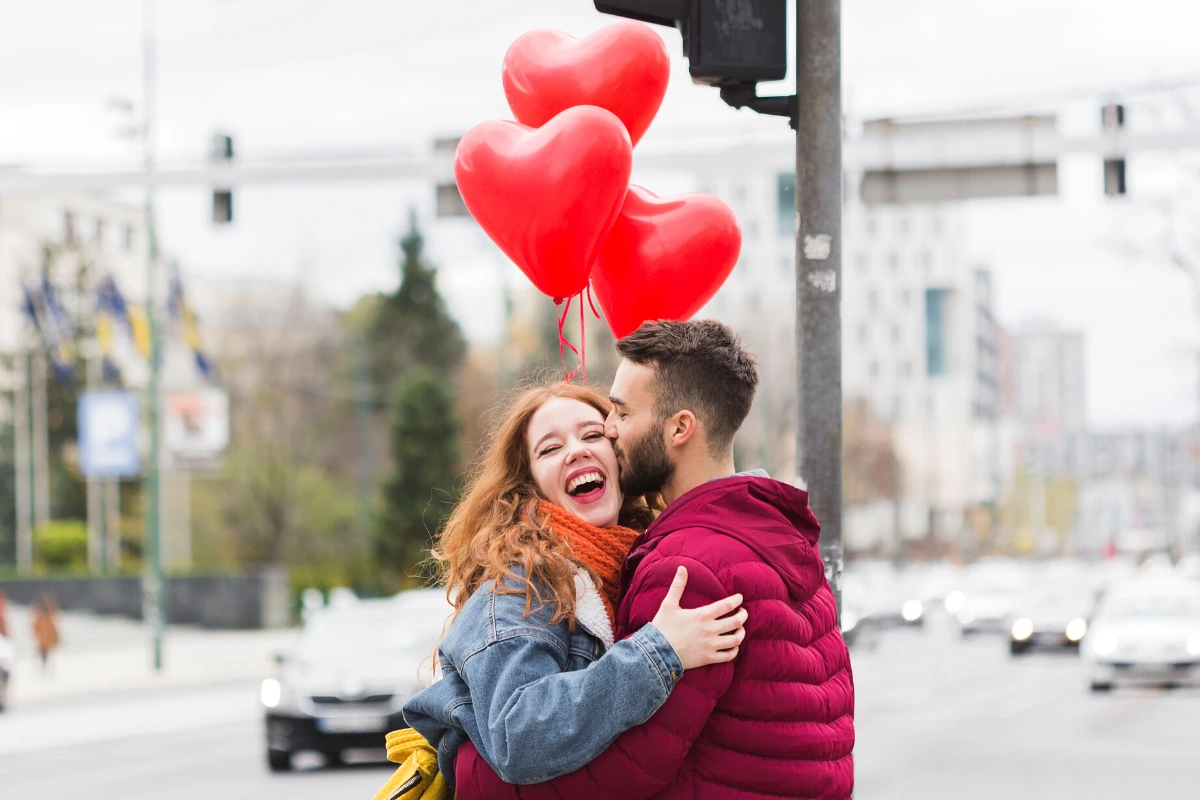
(602, 550)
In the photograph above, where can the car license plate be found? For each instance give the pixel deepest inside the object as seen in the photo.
(351, 724)
(1153, 669)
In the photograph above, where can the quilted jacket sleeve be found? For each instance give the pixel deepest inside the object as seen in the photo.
(643, 760)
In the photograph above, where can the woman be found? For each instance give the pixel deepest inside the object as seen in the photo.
(43, 621)
(532, 559)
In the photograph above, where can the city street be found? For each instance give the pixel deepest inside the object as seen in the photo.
(937, 718)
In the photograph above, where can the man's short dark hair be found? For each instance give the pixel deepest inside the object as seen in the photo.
(700, 366)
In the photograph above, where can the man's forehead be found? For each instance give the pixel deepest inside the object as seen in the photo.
(632, 382)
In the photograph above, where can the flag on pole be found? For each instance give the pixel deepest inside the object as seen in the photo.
(54, 327)
(186, 324)
(139, 327)
(111, 312)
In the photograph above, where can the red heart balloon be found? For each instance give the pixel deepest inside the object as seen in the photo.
(622, 67)
(665, 258)
(547, 196)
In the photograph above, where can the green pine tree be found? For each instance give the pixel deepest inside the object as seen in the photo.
(419, 494)
(411, 327)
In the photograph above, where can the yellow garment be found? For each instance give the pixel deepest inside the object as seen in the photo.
(417, 777)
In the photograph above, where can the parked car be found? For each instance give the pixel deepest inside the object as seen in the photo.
(858, 629)
(1145, 632)
(989, 597)
(1051, 617)
(354, 668)
(892, 603)
(8, 661)
(1188, 567)
(936, 581)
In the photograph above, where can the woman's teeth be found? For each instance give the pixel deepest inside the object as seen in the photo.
(593, 477)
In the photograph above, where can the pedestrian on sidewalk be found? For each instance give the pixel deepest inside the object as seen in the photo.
(44, 621)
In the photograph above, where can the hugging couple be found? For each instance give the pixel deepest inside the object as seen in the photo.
(606, 646)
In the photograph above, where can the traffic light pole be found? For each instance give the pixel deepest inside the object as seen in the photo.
(819, 270)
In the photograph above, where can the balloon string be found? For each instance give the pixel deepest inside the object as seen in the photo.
(588, 291)
(582, 338)
(564, 344)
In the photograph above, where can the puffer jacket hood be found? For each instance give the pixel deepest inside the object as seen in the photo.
(774, 521)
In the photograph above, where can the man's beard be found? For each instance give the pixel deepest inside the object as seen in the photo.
(646, 468)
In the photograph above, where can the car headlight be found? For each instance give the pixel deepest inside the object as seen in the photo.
(1105, 644)
(1076, 629)
(849, 620)
(912, 610)
(271, 693)
(966, 616)
(1193, 645)
(1022, 629)
(955, 601)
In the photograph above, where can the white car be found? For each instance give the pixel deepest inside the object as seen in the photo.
(1189, 567)
(989, 597)
(1145, 632)
(8, 660)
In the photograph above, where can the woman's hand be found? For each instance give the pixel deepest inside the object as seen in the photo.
(703, 635)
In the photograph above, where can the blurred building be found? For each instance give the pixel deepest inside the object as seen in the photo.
(1138, 490)
(1071, 487)
(1048, 389)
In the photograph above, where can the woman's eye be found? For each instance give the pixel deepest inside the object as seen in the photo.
(593, 436)
(547, 451)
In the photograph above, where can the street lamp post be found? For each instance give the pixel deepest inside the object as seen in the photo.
(152, 581)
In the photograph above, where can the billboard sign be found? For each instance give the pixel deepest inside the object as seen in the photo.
(109, 422)
(196, 427)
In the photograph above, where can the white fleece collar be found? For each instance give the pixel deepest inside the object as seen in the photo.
(590, 612)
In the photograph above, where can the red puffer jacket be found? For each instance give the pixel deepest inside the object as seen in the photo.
(775, 723)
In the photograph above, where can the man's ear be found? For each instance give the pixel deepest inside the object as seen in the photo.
(680, 428)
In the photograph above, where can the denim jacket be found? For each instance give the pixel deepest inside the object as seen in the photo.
(536, 699)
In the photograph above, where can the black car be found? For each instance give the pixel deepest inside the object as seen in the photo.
(345, 686)
(1053, 617)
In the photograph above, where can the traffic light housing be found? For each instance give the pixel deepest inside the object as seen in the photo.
(733, 43)
(222, 196)
(1112, 122)
(656, 12)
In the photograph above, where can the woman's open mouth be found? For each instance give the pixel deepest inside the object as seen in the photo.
(586, 486)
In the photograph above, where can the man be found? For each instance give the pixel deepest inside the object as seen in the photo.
(778, 720)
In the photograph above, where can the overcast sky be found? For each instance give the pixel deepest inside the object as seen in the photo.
(288, 75)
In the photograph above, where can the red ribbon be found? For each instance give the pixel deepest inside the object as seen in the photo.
(564, 343)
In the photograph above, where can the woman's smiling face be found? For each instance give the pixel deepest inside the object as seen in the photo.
(573, 462)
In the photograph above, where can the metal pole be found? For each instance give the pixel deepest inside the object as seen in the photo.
(819, 270)
(362, 407)
(112, 526)
(23, 455)
(153, 580)
(41, 443)
(95, 494)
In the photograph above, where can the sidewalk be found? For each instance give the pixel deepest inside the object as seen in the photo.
(104, 654)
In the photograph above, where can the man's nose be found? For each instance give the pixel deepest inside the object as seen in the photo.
(610, 425)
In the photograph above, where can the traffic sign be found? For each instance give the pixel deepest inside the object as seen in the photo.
(109, 422)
